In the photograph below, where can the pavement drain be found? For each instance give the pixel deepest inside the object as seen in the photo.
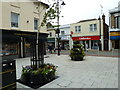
(64, 83)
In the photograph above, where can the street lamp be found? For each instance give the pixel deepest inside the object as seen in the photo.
(58, 30)
(99, 44)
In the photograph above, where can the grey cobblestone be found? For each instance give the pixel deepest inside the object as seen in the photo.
(94, 72)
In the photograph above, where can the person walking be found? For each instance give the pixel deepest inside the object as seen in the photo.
(54, 49)
(50, 48)
(86, 47)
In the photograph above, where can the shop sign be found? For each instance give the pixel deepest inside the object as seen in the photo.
(23, 34)
(87, 38)
(114, 37)
(114, 33)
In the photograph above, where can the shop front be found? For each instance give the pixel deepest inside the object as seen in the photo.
(19, 43)
(51, 41)
(115, 39)
(92, 42)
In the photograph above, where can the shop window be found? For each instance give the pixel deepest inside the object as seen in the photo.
(9, 49)
(27, 49)
(14, 20)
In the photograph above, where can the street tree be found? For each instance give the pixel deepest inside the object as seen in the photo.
(49, 15)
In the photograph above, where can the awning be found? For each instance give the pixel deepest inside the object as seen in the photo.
(13, 36)
(50, 39)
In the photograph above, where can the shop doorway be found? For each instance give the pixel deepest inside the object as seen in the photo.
(94, 44)
(117, 44)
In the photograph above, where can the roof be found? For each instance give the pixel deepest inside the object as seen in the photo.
(115, 10)
(87, 20)
(65, 26)
(42, 3)
(113, 30)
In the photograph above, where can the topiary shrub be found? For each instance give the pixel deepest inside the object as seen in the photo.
(77, 52)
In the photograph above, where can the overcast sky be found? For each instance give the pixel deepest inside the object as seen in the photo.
(76, 10)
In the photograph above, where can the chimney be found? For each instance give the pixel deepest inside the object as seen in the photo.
(99, 18)
(103, 17)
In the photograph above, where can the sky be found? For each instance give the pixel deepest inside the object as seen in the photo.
(77, 10)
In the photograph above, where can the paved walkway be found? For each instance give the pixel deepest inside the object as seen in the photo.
(93, 72)
(94, 52)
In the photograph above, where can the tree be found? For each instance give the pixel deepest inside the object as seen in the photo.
(49, 15)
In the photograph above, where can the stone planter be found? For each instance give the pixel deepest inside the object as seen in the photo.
(49, 77)
(25, 78)
(77, 58)
(36, 79)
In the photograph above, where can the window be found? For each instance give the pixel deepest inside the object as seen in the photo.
(93, 27)
(35, 24)
(9, 49)
(14, 20)
(62, 33)
(77, 29)
(117, 22)
(50, 34)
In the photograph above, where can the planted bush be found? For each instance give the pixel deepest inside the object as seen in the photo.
(77, 52)
(40, 76)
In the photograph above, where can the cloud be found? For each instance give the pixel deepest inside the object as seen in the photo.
(76, 10)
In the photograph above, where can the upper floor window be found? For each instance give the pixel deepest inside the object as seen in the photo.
(117, 22)
(77, 29)
(50, 34)
(35, 24)
(14, 20)
(62, 33)
(93, 27)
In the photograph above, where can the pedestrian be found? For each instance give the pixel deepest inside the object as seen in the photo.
(54, 49)
(50, 48)
(82, 46)
(86, 47)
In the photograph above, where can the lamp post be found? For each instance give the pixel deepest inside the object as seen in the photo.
(100, 34)
(58, 30)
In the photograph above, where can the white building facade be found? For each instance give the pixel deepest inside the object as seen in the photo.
(114, 29)
(93, 32)
(65, 36)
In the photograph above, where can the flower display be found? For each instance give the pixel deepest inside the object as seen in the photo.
(41, 75)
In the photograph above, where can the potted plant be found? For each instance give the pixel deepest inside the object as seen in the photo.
(40, 76)
(77, 52)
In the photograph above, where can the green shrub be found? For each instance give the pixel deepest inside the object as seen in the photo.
(77, 52)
